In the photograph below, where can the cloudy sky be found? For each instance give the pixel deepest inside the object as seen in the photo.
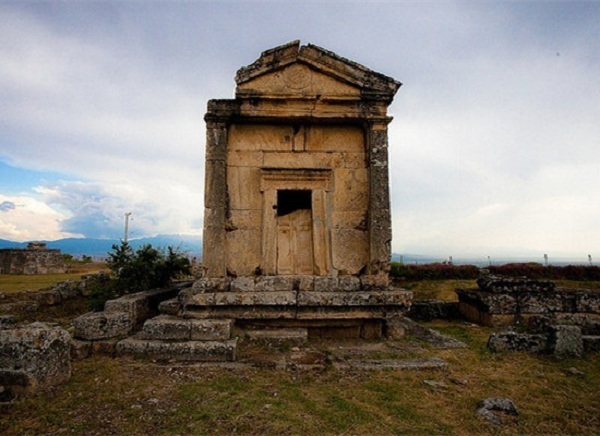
(495, 143)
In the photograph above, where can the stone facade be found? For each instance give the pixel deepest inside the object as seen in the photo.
(35, 259)
(296, 169)
(297, 211)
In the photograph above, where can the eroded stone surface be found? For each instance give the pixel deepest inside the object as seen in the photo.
(102, 325)
(34, 357)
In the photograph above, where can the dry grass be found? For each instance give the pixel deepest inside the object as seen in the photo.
(435, 289)
(10, 283)
(123, 396)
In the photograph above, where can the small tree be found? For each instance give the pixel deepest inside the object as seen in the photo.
(141, 270)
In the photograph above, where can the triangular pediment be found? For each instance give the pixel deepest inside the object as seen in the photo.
(293, 70)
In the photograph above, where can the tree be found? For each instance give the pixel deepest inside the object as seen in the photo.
(141, 270)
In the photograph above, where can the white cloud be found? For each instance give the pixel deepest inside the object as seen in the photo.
(30, 219)
(495, 143)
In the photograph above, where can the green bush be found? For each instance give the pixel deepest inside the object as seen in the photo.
(138, 271)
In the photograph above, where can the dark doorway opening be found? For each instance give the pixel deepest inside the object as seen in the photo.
(289, 201)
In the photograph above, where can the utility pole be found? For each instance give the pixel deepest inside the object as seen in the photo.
(127, 214)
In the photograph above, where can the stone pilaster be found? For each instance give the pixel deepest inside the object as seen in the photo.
(214, 256)
(380, 226)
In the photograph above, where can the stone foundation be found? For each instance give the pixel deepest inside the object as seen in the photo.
(549, 319)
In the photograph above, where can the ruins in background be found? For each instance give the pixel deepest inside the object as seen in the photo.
(35, 259)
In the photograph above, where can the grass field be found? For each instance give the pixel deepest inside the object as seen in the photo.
(123, 396)
(10, 283)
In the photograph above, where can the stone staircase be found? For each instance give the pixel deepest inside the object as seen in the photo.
(168, 337)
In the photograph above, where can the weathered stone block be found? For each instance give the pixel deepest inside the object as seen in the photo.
(141, 305)
(245, 219)
(34, 357)
(530, 302)
(212, 284)
(243, 183)
(245, 158)
(566, 340)
(80, 349)
(306, 283)
(351, 189)
(349, 283)
(588, 302)
(375, 282)
(332, 138)
(242, 284)
(326, 284)
(278, 334)
(164, 327)
(210, 329)
(243, 137)
(243, 246)
(350, 250)
(189, 351)
(102, 325)
(68, 289)
(512, 341)
(274, 283)
(49, 297)
(169, 307)
(394, 328)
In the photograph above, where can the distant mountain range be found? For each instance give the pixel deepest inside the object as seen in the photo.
(192, 246)
(189, 244)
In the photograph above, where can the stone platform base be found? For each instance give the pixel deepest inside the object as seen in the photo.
(324, 306)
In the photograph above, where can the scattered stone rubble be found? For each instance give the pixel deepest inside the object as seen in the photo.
(539, 316)
(51, 296)
(498, 411)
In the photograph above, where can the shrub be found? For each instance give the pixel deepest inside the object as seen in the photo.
(138, 271)
(434, 271)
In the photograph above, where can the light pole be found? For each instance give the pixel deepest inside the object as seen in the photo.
(127, 214)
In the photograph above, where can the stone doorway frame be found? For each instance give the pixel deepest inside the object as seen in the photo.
(320, 183)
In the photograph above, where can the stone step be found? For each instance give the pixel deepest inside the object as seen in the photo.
(184, 351)
(297, 334)
(169, 307)
(168, 327)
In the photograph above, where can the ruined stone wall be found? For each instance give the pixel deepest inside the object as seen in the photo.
(259, 155)
(20, 261)
(533, 304)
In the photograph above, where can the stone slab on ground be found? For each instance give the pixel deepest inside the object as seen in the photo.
(278, 334)
(431, 336)
(189, 351)
(34, 357)
(513, 341)
(102, 325)
(167, 327)
(392, 364)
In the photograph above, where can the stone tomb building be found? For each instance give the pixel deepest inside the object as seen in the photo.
(35, 259)
(297, 225)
